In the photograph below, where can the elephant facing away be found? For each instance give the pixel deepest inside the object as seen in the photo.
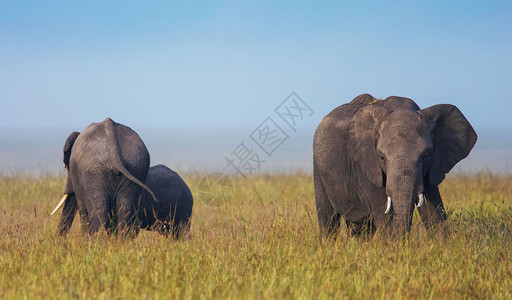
(170, 212)
(374, 160)
(107, 164)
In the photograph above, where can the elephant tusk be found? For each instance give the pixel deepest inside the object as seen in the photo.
(421, 200)
(60, 204)
(388, 205)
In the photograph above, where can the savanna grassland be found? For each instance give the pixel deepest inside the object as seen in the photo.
(262, 243)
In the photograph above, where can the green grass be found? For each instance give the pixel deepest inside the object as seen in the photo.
(263, 243)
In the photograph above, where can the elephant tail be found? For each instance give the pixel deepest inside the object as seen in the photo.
(109, 128)
(128, 175)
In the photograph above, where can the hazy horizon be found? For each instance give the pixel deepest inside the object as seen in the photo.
(39, 151)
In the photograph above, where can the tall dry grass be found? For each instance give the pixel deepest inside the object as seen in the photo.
(263, 243)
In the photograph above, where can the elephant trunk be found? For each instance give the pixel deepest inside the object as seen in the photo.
(404, 192)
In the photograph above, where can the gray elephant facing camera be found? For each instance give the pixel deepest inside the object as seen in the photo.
(170, 212)
(374, 160)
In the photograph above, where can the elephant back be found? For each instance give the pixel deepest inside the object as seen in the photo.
(107, 144)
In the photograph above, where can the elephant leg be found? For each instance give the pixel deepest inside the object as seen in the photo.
(360, 227)
(84, 219)
(382, 223)
(180, 228)
(99, 213)
(68, 215)
(145, 212)
(432, 211)
(169, 227)
(93, 200)
(126, 201)
(328, 218)
(179, 221)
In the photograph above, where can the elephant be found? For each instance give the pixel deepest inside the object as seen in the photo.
(171, 211)
(374, 160)
(107, 165)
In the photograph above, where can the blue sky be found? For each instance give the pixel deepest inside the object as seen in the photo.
(228, 64)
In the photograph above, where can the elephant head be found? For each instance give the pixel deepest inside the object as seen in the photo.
(68, 190)
(69, 196)
(405, 150)
(68, 146)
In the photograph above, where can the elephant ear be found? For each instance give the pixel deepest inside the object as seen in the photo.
(453, 138)
(364, 131)
(68, 145)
